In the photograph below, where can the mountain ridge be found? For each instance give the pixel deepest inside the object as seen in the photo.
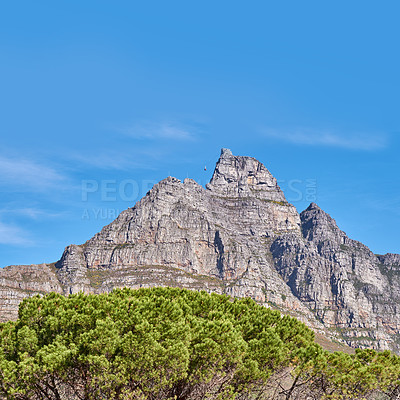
(238, 236)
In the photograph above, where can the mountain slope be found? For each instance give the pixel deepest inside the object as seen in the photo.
(238, 236)
(222, 232)
(350, 289)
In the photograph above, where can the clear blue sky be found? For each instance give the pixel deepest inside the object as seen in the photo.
(100, 99)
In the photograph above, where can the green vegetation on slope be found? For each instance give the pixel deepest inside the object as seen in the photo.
(169, 343)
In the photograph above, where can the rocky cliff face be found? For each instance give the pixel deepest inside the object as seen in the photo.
(238, 236)
(20, 281)
(353, 292)
(220, 235)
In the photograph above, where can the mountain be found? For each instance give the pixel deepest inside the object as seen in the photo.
(237, 236)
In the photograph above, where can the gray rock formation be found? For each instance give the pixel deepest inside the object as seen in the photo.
(353, 292)
(237, 236)
(20, 281)
(222, 232)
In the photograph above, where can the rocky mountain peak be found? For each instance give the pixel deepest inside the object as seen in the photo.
(226, 153)
(317, 226)
(313, 206)
(241, 176)
(238, 236)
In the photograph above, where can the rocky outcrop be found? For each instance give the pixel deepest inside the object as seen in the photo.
(222, 232)
(390, 259)
(237, 236)
(20, 281)
(349, 289)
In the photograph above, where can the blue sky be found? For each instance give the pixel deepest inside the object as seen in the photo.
(99, 100)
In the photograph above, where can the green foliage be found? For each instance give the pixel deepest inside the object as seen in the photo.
(169, 343)
(159, 343)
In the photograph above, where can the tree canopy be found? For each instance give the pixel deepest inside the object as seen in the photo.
(170, 343)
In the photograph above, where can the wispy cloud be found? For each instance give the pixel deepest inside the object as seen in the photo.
(355, 141)
(385, 205)
(151, 141)
(114, 159)
(24, 172)
(32, 213)
(13, 235)
(163, 130)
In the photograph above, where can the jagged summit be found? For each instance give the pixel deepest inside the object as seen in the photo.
(219, 231)
(225, 153)
(240, 176)
(313, 206)
(317, 225)
(238, 236)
